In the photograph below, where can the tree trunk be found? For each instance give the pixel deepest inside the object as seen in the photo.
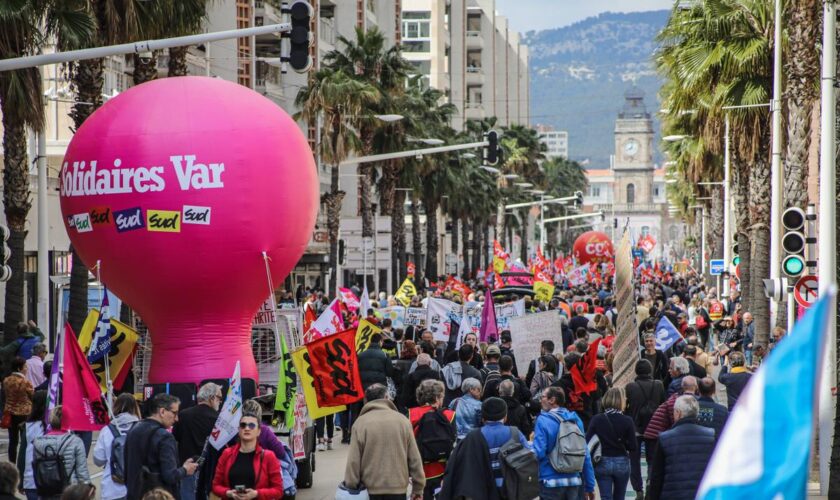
(484, 251)
(465, 245)
(16, 205)
(365, 172)
(715, 226)
(178, 61)
(741, 199)
(431, 206)
(88, 80)
(476, 255)
(760, 235)
(454, 245)
(391, 171)
(397, 211)
(145, 68)
(417, 237)
(500, 223)
(523, 235)
(333, 201)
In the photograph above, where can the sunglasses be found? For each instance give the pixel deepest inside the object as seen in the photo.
(247, 425)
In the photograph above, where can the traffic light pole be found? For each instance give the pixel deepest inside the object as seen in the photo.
(43, 282)
(412, 152)
(727, 215)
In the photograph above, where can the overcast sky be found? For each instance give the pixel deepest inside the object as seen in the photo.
(526, 15)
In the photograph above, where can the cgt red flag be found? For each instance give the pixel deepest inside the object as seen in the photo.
(81, 396)
(335, 369)
(583, 372)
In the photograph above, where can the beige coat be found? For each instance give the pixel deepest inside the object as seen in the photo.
(383, 453)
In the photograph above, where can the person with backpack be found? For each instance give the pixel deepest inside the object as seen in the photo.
(566, 470)
(491, 373)
(643, 395)
(35, 428)
(109, 452)
(617, 437)
(151, 452)
(58, 460)
(28, 336)
(434, 430)
(468, 407)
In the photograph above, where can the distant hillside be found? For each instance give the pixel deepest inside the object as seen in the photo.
(579, 74)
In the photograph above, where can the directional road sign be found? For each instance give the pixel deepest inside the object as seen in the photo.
(716, 267)
(805, 291)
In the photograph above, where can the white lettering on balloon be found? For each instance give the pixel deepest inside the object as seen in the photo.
(83, 179)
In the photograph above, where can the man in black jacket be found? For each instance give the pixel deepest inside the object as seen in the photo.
(423, 372)
(644, 395)
(711, 413)
(517, 415)
(191, 432)
(520, 390)
(734, 376)
(457, 371)
(150, 445)
(374, 368)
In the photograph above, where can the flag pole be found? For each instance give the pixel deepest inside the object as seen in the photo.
(109, 384)
(279, 342)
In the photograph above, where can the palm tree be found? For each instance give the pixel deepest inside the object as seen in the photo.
(178, 18)
(24, 28)
(367, 60)
(337, 97)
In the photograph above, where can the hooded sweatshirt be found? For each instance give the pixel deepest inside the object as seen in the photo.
(102, 454)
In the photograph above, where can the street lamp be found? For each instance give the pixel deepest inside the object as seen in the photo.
(511, 176)
(702, 238)
(492, 170)
(389, 118)
(674, 138)
(429, 141)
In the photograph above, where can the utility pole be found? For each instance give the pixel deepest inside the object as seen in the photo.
(727, 213)
(776, 163)
(43, 284)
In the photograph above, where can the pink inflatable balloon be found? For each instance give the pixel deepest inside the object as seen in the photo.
(177, 187)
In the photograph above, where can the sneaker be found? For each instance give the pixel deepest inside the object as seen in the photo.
(321, 447)
(329, 444)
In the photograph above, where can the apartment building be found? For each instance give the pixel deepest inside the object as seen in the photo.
(556, 141)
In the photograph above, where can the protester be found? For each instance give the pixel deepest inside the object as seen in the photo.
(506, 348)
(28, 335)
(517, 415)
(679, 368)
(8, 481)
(663, 417)
(617, 434)
(557, 485)
(245, 470)
(62, 446)
(682, 455)
(413, 381)
(427, 346)
(643, 395)
(35, 365)
(158, 494)
(150, 446)
(734, 376)
(491, 373)
(546, 348)
(748, 332)
(374, 368)
(126, 415)
(496, 433)
(544, 377)
(191, 431)
(35, 427)
(430, 422)
(658, 360)
(268, 441)
(383, 453)
(17, 391)
(456, 372)
(711, 414)
(467, 408)
(491, 387)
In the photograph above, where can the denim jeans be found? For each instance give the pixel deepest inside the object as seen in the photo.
(636, 461)
(612, 474)
(187, 487)
(561, 493)
(748, 356)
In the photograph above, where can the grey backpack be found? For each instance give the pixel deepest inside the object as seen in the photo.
(569, 450)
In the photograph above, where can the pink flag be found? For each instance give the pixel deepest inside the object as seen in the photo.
(488, 319)
(81, 398)
(329, 322)
(350, 300)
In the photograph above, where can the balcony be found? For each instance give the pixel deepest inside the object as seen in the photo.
(474, 40)
(326, 30)
(475, 76)
(473, 111)
(265, 13)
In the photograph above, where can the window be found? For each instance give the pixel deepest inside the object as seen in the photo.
(473, 23)
(595, 191)
(416, 46)
(416, 25)
(656, 191)
(631, 194)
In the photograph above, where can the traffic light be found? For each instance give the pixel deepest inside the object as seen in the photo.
(578, 199)
(300, 13)
(793, 242)
(342, 252)
(492, 150)
(5, 253)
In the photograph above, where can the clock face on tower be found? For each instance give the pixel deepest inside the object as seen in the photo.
(631, 147)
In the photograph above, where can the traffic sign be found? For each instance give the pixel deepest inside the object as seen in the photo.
(716, 267)
(805, 291)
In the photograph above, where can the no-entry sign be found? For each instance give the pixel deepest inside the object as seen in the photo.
(805, 291)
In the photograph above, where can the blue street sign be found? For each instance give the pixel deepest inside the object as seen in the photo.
(716, 267)
(638, 252)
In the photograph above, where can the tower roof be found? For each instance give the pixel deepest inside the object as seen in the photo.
(634, 104)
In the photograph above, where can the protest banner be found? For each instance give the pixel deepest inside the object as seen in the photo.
(81, 396)
(298, 446)
(328, 323)
(439, 316)
(227, 423)
(364, 334)
(504, 312)
(335, 369)
(300, 358)
(415, 316)
(349, 298)
(472, 310)
(265, 315)
(577, 276)
(527, 333)
(543, 292)
(405, 292)
(626, 345)
(396, 314)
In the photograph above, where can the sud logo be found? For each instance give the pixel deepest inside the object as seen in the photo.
(82, 223)
(129, 219)
(167, 221)
(196, 215)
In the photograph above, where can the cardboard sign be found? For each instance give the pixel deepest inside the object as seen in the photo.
(527, 333)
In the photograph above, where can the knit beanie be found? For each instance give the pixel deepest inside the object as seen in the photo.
(643, 367)
(494, 409)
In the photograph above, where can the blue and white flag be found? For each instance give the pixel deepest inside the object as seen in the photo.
(227, 423)
(764, 449)
(666, 334)
(100, 345)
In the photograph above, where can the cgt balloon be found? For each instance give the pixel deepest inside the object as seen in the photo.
(593, 246)
(177, 187)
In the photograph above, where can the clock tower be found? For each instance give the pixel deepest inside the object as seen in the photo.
(633, 165)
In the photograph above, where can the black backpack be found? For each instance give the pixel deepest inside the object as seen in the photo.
(520, 469)
(49, 469)
(647, 410)
(435, 436)
(117, 461)
(490, 375)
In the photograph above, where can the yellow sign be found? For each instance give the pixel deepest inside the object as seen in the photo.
(167, 221)
(543, 292)
(405, 292)
(499, 264)
(123, 340)
(300, 358)
(364, 334)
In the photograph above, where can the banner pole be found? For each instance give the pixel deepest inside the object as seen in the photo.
(109, 384)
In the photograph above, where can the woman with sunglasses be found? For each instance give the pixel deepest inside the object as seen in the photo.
(245, 470)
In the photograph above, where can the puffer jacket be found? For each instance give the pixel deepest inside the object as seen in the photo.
(374, 366)
(72, 453)
(680, 461)
(662, 419)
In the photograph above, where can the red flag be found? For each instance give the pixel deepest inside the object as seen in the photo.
(583, 372)
(335, 369)
(309, 317)
(498, 283)
(81, 396)
(410, 269)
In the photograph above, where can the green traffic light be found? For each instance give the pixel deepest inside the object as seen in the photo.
(736, 260)
(793, 265)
